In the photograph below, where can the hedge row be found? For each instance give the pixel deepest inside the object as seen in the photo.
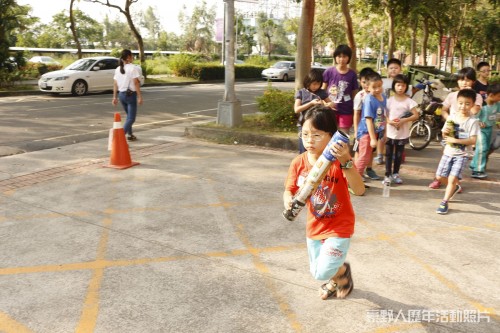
(205, 72)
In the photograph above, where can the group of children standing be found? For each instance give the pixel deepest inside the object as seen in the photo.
(381, 114)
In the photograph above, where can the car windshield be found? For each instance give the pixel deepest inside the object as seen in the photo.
(81, 65)
(281, 64)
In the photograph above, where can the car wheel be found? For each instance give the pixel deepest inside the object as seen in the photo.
(79, 88)
(285, 78)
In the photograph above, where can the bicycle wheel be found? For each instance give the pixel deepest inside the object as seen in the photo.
(420, 135)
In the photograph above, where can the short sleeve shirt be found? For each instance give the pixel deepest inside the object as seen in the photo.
(463, 130)
(340, 88)
(125, 81)
(306, 96)
(451, 102)
(375, 109)
(396, 109)
(329, 209)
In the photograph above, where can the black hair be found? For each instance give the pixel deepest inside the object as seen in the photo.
(394, 61)
(343, 49)
(314, 75)
(322, 118)
(365, 72)
(493, 89)
(467, 93)
(467, 73)
(372, 77)
(482, 64)
(125, 54)
(400, 78)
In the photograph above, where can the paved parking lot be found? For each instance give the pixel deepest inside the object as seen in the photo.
(192, 240)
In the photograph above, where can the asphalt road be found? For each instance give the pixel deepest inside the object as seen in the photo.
(31, 123)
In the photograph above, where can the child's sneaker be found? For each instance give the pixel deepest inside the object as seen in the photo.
(379, 160)
(435, 184)
(387, 180)
(396, 179)
(370, 173)
(458, 189)
(479, 175)
(443, 208)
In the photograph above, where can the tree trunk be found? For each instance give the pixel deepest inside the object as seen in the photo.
(414, 39)
(269, 51)
(349, 34)
(425, 39)
(73, 30)
(137, 35)
(304, 42)
(390, 17)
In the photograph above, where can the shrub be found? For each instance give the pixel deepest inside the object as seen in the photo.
(257, 61)
(8, 78)
(182, 64)
(212, 71)
(277, 106)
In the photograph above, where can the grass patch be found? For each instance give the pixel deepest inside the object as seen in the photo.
(169, 79)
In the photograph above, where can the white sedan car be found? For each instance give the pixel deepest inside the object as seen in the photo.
(282, 70)
(83, 76)
(44, 60)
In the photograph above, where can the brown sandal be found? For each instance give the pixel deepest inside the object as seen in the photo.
(326, 292)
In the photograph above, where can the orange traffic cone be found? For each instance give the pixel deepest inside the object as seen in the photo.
(120, 156)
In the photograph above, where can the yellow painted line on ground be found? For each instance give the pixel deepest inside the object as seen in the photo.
(448, 283)
(398, 328)
(262, 268)
(90, 311)
(9, 325)
(100, 264)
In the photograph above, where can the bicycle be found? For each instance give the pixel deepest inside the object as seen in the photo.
(430, 122)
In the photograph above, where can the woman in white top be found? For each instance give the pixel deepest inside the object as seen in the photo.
(127, 88)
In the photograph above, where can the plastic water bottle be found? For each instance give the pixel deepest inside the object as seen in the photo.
(386, 192)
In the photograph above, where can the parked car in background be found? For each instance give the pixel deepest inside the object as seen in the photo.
(44, 60)
(282, 70)
(317, 65)
(83, 76)
(285, 70)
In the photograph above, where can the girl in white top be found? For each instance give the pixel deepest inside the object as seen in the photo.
(128, 89)
(402, 112)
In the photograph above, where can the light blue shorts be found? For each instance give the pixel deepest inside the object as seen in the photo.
(326, 257)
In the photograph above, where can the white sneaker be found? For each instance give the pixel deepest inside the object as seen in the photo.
(387, 180)
(397, 179)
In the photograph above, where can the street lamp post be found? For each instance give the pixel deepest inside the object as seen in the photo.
(229, 109)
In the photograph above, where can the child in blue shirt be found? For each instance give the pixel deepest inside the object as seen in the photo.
(373, 121)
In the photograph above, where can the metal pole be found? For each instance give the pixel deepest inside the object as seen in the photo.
(229, 109)
(229, 95)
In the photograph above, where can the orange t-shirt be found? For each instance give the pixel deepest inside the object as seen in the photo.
(329, 208)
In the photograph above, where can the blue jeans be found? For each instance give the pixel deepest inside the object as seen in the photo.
(129, 104)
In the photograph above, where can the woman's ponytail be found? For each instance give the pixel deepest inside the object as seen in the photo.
(125, 54)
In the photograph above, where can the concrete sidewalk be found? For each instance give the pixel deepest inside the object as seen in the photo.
(192, 240)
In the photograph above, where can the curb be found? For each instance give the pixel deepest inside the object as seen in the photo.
(228, 136)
